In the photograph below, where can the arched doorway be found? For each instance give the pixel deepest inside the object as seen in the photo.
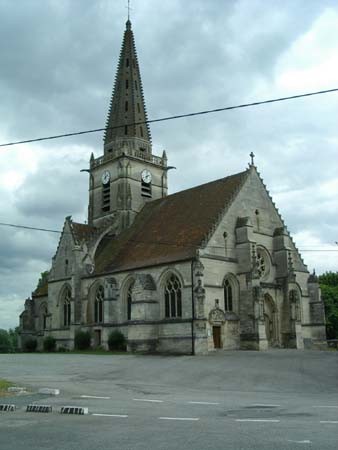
(271, 321)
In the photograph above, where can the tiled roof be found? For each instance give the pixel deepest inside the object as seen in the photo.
(169, 229)
(82, 231)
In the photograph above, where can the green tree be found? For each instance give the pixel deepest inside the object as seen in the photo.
(5, 342)
(30, 345)
(329, 287)
(13, 335)
(43, 280)
(117, 341)
(82, 340)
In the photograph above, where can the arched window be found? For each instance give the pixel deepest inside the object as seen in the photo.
(98, 305)
(67, 307)
(228, 296)
(129, 300)
(263, 262)
(173, 297)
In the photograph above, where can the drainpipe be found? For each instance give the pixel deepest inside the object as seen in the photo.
(192, 308)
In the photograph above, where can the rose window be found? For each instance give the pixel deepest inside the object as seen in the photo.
(261, 264)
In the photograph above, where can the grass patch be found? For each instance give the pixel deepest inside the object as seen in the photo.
(4, 385)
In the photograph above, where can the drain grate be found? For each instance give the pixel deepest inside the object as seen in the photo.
(74, 410)
(39, 408)
(7, 407)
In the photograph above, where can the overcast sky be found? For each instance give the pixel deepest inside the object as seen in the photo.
(58, 62)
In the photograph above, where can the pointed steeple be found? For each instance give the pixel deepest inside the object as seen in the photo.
(127, 105)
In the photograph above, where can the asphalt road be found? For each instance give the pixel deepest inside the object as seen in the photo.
(281, 399)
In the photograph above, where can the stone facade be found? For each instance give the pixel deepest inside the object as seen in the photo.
(210, 268)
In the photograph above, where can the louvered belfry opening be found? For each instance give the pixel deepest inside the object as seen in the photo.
(127, 108)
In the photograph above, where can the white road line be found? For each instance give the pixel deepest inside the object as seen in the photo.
(325, 406)
(147, 400)
(94, 396)
(203, 403)
(257, 420)
(264, 405)
(306, 441)
(328, 421)
(111, 415)
(179, 418)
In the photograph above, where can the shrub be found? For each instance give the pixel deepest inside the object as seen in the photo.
(117, 341)
(30, 345)
(63, 349)
(82, 340)
(5, 342)
(49, 344)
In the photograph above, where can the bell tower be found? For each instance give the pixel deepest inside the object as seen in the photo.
(128, 174)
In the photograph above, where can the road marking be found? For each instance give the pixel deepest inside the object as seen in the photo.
(147, 400)
(179, 418)
(264, 405)
(328, 421)
(300, 442)
(94, 396)
(257, 420)
(203, 403)
(111, 415)
(325, 406)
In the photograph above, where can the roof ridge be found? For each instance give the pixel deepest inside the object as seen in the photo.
(171, 228)
(281, 218)
(227, 205)
(197, 187)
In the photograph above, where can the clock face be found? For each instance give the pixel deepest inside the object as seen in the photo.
(146, 176)
(105, 177)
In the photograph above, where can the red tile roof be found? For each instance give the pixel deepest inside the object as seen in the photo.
(169, 229)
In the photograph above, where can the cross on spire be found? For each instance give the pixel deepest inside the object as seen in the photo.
(252, 156)
(129, 8)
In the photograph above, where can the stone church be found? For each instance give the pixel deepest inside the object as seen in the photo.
(212, 267)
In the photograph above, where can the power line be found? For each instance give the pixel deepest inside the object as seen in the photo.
(178, 116)
(28, 228)
(153, 243)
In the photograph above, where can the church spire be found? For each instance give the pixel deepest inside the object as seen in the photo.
(127, 105)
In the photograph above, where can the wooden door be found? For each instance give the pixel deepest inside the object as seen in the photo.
(216, 332)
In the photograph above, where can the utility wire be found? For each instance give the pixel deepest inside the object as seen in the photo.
(178, 116)
(154, 243)
(28, 228)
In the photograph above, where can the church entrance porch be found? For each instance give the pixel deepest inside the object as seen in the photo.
(216, 333)
(223, 331)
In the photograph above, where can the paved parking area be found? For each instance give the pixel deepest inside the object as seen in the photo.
(236, 400)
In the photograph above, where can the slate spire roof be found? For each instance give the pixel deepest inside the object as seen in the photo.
(127, 104)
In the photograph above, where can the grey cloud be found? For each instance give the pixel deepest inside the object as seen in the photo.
(57, 190)
(58, 65)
